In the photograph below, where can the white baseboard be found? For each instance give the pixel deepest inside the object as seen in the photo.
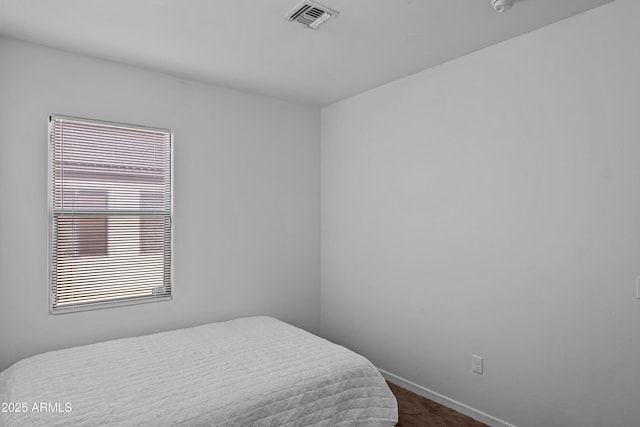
(446, 401)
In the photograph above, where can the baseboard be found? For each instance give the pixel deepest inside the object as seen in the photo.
(446, 401)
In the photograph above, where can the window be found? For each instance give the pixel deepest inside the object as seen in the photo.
(111, 214)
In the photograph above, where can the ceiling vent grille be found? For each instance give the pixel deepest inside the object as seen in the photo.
(310, 13)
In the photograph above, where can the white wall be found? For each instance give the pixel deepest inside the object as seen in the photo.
(246, 198)
(491, 205)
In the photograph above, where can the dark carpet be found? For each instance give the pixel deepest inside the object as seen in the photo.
(417, 411)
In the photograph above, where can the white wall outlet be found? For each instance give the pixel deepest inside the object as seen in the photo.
(476, 364)
(638, 287)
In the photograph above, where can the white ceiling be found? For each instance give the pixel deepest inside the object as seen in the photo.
(248, 45)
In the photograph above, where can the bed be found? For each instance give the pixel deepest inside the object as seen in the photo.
(254, 371)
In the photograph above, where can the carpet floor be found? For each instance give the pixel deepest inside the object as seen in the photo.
(417, 411)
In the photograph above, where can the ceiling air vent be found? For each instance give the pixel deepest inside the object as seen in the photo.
(310, 13)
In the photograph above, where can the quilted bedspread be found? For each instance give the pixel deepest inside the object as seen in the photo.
(255, 371)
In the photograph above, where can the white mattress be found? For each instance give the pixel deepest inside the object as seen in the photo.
(255, 371)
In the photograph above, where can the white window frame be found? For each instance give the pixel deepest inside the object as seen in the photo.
(52, 229)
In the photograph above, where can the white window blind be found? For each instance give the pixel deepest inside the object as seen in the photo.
(110, 198)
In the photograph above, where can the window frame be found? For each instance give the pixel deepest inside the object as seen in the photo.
(51, 215)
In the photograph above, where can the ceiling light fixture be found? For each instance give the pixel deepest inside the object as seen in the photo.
(502, 5)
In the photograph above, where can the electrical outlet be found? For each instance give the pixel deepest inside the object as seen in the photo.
(476, 364)
(638, 287)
